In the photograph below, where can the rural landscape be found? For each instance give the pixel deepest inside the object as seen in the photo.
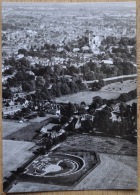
(69, 95)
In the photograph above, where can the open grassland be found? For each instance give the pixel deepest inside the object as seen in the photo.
(124, 87)
(110, 91)
(16, 153)
(131, 102)
(87, 96)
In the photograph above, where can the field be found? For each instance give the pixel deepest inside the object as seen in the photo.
(131, 102)
(110, 174)
(11, 126)
(119, 87)
(86, 96)
(28, 132)
(110, 91)
(98, 144)
(40, 119)
(16, 153)
(36, 187)
(116, 170)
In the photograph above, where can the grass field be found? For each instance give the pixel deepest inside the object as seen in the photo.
(131, 102)
(110, 91)
(16, 153)
(119, 87)
(87, 96)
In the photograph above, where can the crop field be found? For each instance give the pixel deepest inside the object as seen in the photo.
(11, 126)
(110, 174)
(16, 153)
(27, 133)
(38, 187)
(98, 144)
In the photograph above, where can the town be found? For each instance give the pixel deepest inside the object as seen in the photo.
(62, 84)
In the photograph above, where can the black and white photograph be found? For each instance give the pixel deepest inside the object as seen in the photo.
(69, 96)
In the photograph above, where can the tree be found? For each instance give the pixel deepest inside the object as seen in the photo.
(101, 83)
(127, 67)
(133, 50)
(40, 82)
(87, 126)
(27, 86)
(80, 85)
(72, 70)
(9, 71)
(92, 65)
(96, 102)
(7, 94)
(24, 62)
(74, 87)
(123, 97)
(124, 41)
(89, 76)
(20, 76)
(47, 46)
(134, 109)
(23, 51)
(56, 90)
(122, 108)
(57, 69)
(102, 120)
(65, 89)
(29, 76)
(67, 110)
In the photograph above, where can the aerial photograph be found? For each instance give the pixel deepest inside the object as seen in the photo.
(69, 96)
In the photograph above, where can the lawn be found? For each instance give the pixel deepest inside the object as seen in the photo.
(15, 154)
